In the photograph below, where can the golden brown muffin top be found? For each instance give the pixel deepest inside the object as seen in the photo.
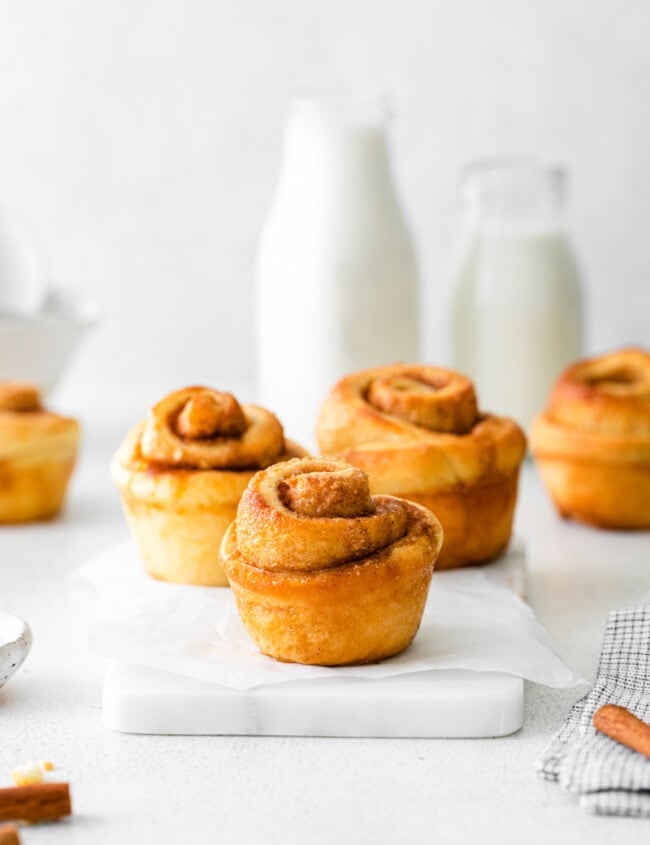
(609, 394)
(202, 428)
(19, 396)
(308, 514)
(29, 429)
(425, 414)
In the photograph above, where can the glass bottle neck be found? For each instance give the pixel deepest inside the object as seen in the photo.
(336, 138)
(513, 194)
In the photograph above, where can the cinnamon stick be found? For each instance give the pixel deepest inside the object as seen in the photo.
(9, 835)
(623, 726)
(35, 803)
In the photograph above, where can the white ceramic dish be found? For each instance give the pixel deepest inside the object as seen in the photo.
(15, 643)
(37, 348)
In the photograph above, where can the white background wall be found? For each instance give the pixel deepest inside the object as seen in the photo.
(143, 139)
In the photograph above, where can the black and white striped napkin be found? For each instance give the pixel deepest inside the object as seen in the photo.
(607, 777)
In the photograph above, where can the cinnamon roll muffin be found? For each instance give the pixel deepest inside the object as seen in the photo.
(417, 432)
(38, 450)
(181, 473)
(592, 443)
(323, 572)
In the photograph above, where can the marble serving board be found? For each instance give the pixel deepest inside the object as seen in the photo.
(441, 703)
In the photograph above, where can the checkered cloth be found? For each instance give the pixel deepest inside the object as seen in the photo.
(607, 777)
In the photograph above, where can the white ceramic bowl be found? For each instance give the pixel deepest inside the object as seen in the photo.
(15, 643)
(37, 348)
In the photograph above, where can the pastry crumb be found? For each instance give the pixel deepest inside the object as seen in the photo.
(31, 773)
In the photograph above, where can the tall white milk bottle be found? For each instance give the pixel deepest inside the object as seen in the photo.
(516, 310)
(337, 286)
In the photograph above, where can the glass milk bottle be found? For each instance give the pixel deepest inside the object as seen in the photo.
(336, 276)
(516, 314)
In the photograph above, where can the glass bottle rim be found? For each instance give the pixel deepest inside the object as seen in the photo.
(507, 164)
(512, 187)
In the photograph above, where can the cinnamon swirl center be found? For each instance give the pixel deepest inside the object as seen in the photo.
(617, 377)
(200, 428)
(308, 514)
(345, 493)
(211, 414)
(438, 399)
(19, 396)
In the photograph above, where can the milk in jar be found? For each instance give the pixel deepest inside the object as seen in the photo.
(516, 311)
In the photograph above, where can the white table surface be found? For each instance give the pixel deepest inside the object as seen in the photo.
(254, 789)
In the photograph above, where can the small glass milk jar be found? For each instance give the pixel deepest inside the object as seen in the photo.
(516, 305)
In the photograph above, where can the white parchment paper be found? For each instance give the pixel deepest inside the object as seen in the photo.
(473, 620)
